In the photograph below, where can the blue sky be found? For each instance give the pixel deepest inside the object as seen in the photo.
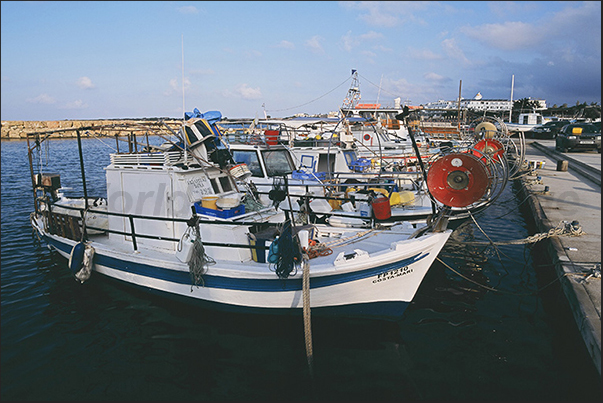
(90, 60)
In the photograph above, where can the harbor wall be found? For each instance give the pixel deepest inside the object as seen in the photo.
(19, 129)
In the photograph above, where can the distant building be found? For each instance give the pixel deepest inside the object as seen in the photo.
(478, 103)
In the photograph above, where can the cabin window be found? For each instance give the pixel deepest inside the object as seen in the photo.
(225, 183)
(278, 162)
(307, 161)
(214, 185)
(250, 158)
(350, 158)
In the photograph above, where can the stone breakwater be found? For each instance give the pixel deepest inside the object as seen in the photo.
(19, 129)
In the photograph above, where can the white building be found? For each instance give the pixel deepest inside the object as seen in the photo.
(479, 104)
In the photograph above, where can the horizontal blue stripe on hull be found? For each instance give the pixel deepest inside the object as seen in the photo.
(239, 284)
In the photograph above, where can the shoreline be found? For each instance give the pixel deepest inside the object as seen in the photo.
(20, 129)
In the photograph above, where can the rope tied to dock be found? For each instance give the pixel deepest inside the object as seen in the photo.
(564, 228)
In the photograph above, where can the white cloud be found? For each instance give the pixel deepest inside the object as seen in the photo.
(188, 10)
(176, 86)
(314, 44)
(371, 35)
(85, 83)
(252, 54)
(578, 26)
(77, 104)
(350, 41)
(243, 91)
(506, 36)
(246, 92)
(431, 76)
(41, 99)
(202, 72)
(388, 13)
(423, 54)
(285, 45)
(454, 51)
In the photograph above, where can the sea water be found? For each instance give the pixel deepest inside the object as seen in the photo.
(486, 324)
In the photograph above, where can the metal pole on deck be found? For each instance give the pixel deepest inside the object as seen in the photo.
(404, 117)
(79, 147)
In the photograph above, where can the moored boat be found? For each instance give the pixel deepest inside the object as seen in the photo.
(177, 223)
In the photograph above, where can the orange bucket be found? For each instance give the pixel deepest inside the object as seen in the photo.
(381, 208)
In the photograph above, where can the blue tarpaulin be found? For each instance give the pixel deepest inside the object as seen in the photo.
(211, 116)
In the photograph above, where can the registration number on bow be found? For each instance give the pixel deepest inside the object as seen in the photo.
(391, 274)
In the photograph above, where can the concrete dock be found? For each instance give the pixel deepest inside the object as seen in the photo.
(565, 189)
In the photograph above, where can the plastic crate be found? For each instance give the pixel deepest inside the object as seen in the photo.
(220, 213)
(304, 175)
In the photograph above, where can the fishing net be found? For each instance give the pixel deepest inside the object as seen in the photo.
(199, 260)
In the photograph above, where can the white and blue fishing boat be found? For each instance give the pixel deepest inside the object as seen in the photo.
(175, 222)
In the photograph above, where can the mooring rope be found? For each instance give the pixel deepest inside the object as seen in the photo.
(306, 312)
(564, 228)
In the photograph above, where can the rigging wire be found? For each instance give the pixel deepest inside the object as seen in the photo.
(377, 86)
(309, 102)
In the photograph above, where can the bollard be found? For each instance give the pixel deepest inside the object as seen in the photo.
(562, 165)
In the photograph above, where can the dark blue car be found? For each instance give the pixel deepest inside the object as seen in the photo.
(579, 136)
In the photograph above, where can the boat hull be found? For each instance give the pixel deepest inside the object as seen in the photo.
(381, 286)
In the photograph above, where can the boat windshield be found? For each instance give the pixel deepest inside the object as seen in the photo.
(250, 158)
(278, 162)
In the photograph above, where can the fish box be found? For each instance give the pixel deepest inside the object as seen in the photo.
(312, 176)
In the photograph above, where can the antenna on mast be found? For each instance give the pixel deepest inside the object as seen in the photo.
(183, 110)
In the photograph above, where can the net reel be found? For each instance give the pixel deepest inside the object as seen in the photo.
(491, 134)
(468, 179)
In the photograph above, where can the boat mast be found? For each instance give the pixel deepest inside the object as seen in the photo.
(458, 110)
(183, 109)
(353, 95)
(511, 108)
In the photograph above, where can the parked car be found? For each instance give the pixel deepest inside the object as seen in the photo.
(579, 136)
(549, 129)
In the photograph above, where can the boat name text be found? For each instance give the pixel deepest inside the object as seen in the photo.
(391, 274)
